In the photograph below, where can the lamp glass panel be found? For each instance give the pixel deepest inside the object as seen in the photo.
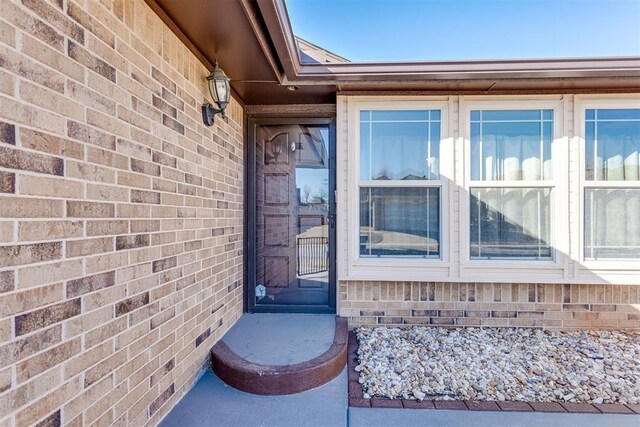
(222, 90)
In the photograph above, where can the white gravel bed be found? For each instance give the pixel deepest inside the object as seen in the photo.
(504, 364)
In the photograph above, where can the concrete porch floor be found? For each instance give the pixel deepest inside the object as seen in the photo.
(295, 338)
(269, 339)
(281, 339)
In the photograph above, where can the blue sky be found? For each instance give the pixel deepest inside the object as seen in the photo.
(405, 30)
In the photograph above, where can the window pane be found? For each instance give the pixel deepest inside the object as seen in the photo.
(476, 160)
(400, 222)
(517, 115)
(513, 146)
(619, 114)
(433, 157)
(403, 146)
(365, 150)
(547, 139)
(510, 223)
(399, 151)
(400, 115)
(612, 223)
(612, 146)
(590, 134)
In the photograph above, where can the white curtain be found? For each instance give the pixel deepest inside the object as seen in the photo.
(614, 213)
(612, 223)
(514, 158)
(515, 217)
(403, 158)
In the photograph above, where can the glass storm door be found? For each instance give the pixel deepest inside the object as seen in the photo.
(291, 252)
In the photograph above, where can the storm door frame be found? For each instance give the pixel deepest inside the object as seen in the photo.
(250, 232)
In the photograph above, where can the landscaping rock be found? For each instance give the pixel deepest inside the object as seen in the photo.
(501, 364)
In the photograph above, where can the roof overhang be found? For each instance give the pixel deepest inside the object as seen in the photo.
(255, 45)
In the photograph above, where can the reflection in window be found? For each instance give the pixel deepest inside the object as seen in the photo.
(506, 148)
(612, 153)
(510, 223)
(400, 212)
(511, 145)
(400, 221)
(612, 223)
(399, 145)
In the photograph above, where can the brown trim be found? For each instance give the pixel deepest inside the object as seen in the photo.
(474, 70)
(282, 379)
(276, 18)
(487, 92)
(277, 21)
(270, 31)
(316, 110)
(357, 399)
(252, 17)
(158, 10)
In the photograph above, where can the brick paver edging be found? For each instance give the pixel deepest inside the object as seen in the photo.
(357, 400)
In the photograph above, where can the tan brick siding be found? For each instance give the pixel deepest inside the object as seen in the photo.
(121, 215)
(548, 306)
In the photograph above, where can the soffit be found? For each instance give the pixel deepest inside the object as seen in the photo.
(255, 45)
(231, 32)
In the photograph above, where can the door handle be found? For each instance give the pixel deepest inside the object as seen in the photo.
(332, 220)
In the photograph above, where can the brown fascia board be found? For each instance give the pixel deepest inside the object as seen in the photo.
(481, 69)
(276, 18)
(253, 17)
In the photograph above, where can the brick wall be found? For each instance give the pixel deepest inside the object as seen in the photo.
(120, 215)
(548, 306)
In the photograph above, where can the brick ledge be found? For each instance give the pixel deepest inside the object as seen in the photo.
(282, 379)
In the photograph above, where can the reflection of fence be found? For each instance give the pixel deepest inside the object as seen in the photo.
(313, 255)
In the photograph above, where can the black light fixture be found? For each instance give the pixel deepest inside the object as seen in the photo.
(220, 92)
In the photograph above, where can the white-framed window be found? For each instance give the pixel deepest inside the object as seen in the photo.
(399, 185)
(399, 168)
(513, 178)
(527, 189)
(610, 177)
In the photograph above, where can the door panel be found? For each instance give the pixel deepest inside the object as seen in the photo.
(291, 259)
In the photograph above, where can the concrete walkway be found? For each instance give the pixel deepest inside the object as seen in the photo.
(281, 339)
(371, 417)
(212, 403)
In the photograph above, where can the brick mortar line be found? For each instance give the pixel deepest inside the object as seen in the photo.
(466, 405)
(70, 338)
(105, 236)
(189, 90)
(205, 139)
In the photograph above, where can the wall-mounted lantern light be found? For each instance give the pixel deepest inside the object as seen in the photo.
(220, 92)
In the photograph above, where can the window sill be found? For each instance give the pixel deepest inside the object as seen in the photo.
(506, 264)
(385, 263)
(613, 265)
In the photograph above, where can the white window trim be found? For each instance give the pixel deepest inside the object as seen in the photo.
(559, 193)
(383, 268)
(568, 207)
(581, 104)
